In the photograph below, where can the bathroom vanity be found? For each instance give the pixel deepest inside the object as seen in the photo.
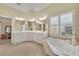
(22, 36)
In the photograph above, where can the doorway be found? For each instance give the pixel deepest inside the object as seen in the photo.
(5, 30)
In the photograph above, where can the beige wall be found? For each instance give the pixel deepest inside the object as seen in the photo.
(76, 23)
(17, 25)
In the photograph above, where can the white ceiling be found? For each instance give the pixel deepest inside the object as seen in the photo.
(28, 6)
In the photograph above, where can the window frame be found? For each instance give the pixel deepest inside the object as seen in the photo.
(59, 25)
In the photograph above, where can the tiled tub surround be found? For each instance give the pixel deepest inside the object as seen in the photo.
(21, 36)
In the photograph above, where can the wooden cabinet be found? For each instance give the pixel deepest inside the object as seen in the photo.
(6, 36)
(3, 36)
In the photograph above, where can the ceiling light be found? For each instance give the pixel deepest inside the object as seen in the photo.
(18, 4)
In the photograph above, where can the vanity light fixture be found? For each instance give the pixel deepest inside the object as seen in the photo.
(37, 21)
(42, 18)
(32, 20)
(17, 18)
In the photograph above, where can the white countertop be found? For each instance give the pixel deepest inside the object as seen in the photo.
(21, 36)
(29, 31)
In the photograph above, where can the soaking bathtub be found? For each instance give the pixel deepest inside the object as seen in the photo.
(60, 47)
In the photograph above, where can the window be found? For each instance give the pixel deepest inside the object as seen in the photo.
(54, 26)
(66, 25)
(61, 26)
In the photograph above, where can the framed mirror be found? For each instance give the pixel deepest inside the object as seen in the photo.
(8, 32)
(7, 29)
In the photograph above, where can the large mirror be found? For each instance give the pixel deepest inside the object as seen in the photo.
(8, 31)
